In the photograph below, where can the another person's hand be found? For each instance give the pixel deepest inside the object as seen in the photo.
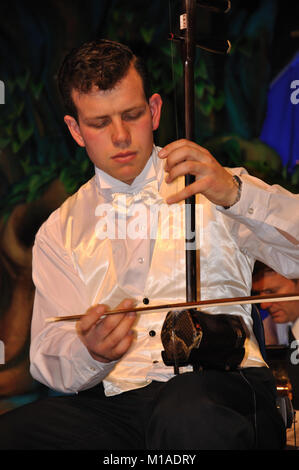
(107, 338)
(212, 180)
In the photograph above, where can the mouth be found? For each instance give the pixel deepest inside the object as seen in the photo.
(276, 314)
(124, 157)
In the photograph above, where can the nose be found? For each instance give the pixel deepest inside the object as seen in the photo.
(120, 136)
(266, 305)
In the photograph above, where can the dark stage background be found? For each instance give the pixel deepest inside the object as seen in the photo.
(39, 163)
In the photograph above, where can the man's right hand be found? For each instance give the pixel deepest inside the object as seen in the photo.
(107, 338)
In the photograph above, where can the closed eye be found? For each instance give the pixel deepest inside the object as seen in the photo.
(269, 291)
(263, 292)
(128, 115)
(132, 115)
(99, 124)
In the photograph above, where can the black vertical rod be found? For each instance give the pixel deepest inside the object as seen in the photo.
(190, 223)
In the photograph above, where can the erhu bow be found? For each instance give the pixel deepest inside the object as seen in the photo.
(249, 300)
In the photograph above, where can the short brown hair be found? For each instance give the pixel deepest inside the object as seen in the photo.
(260, 269)
(100, 63)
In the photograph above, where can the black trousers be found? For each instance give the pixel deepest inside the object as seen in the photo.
(206, 410)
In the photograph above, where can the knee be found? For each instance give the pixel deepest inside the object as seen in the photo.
(207, 427)
(185, 418)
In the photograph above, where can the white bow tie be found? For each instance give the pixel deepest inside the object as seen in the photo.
(148, 195)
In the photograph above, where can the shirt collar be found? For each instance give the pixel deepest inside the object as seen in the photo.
(153, 170)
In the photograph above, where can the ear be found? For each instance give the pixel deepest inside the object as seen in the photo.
(74, 130)
(155, 104)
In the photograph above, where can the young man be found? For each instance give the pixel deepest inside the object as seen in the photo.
(267, 281)
(284, 315)
(91, 255)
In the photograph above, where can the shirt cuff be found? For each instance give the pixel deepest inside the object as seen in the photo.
(270, 205)
(253, 203)
(91, 371)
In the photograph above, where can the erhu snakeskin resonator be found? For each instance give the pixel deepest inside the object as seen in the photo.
(203, 340)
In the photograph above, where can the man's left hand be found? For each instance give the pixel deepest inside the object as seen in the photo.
(212, 180)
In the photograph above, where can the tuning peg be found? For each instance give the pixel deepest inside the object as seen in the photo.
(218, 6)
(215, 45)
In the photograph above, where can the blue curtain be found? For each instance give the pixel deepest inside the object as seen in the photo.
(281, 126)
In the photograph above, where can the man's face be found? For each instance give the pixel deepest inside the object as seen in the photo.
(116, 126)
(274, 283)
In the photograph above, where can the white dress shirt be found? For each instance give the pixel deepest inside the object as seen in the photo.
(133, 255)
(283, 329)
(75, 267)
(295, 329)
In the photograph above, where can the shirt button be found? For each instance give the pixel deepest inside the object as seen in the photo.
(140, 260)
(250, 210)
(152, 333)
(145, 300)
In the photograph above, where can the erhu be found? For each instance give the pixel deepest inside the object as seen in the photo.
(189, 336)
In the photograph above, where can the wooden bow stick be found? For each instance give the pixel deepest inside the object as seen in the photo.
(254, 299)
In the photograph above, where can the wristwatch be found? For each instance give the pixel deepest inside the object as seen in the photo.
(238, 182)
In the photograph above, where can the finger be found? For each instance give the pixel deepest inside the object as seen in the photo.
(183, 150)
(188, 191)
(112, 320)
(98, 312)
(122, 334)
(107, 353)
(191, 157)
(118, 327)
(122, 346)
(113, 327)
(126, 304)
(92, 316)
(188, 167)
(180, 196)
(177, 144)
(111, 341)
